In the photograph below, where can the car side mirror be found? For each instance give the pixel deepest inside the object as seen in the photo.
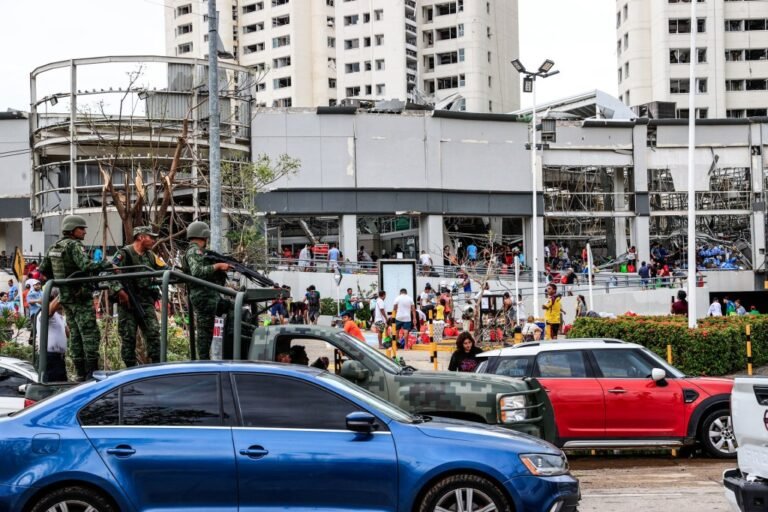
(354, 371)
(23, 389)
(659, 376)
(363, 422)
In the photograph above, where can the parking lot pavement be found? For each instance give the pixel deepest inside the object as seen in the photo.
(661, 484)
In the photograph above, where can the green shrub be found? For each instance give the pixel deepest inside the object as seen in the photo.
(717, 347)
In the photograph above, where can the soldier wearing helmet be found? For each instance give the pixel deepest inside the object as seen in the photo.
(205, 301)
(66, 256)
(145, 293)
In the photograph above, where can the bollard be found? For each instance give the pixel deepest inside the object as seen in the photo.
(669, 354)
(749, 349)
(432, 344)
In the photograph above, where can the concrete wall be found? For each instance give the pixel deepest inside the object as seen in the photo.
(643, 302)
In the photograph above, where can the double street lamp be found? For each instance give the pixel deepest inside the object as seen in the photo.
(529, 85)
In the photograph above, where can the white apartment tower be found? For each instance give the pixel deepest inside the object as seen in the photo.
(455, 53)
(653, 46)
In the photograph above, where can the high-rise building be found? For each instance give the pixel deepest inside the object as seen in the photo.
(455, 54)
(654, 53)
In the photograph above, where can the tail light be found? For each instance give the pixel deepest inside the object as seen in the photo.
(29, 403)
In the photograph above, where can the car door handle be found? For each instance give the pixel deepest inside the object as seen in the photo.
(617, 391)
(254, 452)
(122, 450)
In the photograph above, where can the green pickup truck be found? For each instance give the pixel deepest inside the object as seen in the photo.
(518, 404)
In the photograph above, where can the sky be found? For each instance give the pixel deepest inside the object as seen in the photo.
(579, 35)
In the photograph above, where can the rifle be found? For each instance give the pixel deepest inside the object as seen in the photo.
(138, 311)
(251, 274)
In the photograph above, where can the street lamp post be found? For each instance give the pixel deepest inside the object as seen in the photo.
(529, 85)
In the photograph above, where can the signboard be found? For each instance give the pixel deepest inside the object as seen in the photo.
(395, 275)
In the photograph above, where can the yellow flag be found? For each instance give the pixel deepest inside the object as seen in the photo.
(18, 264)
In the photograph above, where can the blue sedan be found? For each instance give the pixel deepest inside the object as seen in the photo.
(220, 436)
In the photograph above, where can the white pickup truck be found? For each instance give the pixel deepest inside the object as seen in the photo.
(746, 487)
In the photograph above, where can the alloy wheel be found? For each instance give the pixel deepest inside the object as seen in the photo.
(721, 434)
(466, 499)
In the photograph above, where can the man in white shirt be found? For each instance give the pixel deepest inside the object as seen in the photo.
(405, 311)
(304, 258)
(715, 309)
(58, 332)
(380, 316)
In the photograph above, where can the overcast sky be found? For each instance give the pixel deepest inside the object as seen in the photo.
(579, 35)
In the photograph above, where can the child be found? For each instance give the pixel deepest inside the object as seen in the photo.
(439, 323)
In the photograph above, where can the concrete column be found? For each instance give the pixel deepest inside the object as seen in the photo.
(431, 237)
(348, 237)
(528, 227)
(496, 227)
(641, 237)
(758, 239)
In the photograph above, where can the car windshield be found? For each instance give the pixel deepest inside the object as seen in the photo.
(381, 360)
(387, 409)
(661, 363)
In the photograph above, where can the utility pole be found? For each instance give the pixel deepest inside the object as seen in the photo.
(692, 88)
(214, 127)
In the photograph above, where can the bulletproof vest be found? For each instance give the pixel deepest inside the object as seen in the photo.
(61, 263)
(63, 266)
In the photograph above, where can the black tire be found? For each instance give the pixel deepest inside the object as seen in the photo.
(716, 435)
(78, 499)
(484, 493)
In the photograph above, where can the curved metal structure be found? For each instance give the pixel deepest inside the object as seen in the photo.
(130, 113)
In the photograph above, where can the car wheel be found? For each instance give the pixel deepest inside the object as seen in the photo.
(716, 435)
(464, 493)
(73, 499)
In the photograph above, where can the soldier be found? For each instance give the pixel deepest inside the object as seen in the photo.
(144, 292)
(205, 301)
(65, 257)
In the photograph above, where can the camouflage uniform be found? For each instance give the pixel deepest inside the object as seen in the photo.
(146, 293)
(205, 301)
(65, 257)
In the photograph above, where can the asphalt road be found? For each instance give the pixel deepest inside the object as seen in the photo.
(661, 483)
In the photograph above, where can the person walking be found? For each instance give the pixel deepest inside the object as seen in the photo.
(552, 312)
(464, 358)
(205, 301)
(66, 256)
(141, 314)
(312, 298)
(380, 316)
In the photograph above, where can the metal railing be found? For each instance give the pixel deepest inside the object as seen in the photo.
(166, 277)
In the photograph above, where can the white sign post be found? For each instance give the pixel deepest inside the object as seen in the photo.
(517, 288)
(589, 276)
(337, 279)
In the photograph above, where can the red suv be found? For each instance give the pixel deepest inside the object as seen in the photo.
(611, 394)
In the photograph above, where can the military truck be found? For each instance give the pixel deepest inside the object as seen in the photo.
(518, 404)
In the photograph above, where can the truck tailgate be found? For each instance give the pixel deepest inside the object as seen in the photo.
(749, 410)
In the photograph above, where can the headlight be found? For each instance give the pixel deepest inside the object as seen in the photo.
(511, 409)
(545, 465)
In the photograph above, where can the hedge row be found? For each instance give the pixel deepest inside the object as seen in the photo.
(717, 347)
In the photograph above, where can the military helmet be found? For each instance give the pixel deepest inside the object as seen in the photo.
(72, 222)
(198, 229)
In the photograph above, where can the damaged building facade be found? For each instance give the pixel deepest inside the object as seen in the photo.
(423, 180)
(389, 178)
